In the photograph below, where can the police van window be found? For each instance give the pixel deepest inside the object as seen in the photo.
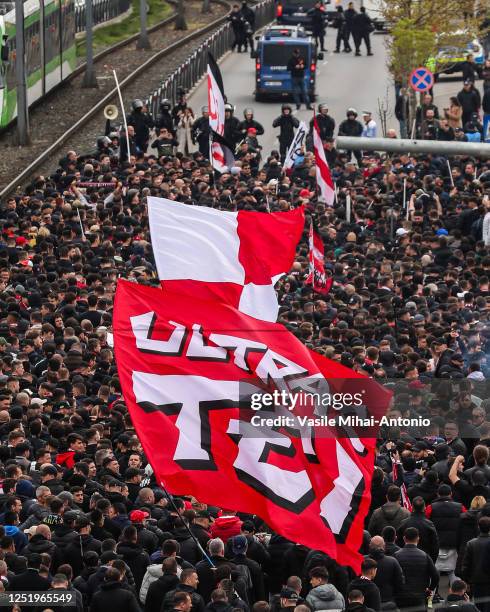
(278, 55)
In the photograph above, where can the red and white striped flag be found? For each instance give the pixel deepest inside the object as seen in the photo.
(323, 175)
(216, 106)
(233, 257)
(318, 277)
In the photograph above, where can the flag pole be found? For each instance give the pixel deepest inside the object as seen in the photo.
(450, 173)
(348, 208)
(172, 503)
(404, 194)
(123, 113)
(81, 225)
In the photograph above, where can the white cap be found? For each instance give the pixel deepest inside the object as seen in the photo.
(401, 231)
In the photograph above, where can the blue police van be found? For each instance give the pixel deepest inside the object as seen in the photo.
(274, 49)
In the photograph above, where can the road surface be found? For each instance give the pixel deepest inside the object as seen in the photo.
(343, 80)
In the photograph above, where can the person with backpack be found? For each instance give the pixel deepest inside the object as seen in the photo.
(254, 576)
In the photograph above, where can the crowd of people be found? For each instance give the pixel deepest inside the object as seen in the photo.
(408, 306)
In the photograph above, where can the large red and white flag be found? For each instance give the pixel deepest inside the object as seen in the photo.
(317, 276)
(235, 257)
(194, 374)
(323, 175)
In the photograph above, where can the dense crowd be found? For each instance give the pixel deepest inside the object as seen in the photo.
(408, 306)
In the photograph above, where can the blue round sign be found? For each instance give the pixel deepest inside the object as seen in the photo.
(421, 79)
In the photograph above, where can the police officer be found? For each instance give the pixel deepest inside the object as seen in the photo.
(352, 127)
(249, 122)
(164, 119)
(232, 131)
(317, 14)
(362, 26)
(287, 122)
(200, 132)
(142, 123)
(326, 124)
(181, 105)
(249, 17)
(238, 26)
(339, 25)
(349, 15)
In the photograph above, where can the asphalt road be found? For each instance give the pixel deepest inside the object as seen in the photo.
(343, 80)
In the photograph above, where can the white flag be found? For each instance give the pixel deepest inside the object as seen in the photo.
(296, 146)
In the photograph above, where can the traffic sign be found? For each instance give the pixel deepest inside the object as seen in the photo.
(421, 79)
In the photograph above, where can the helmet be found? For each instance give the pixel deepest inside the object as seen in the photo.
(205, 109)
(137, 104)
(113, 135)
(103, 141)
(248, 111)
(165, 104)
(351, 111)
(229, 107)
(322, 106)
(286, 107)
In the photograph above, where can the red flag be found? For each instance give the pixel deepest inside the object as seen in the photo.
(235, 257)
(318, 277)
(185, 366)
(323, 175)
(405, 499)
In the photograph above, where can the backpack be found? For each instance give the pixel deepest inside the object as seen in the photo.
(242, 572)
(477, 229)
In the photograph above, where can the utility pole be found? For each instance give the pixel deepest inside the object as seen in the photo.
(206, 6)
(89, 78)
(143, 40)
(21, 78)
(180, 23)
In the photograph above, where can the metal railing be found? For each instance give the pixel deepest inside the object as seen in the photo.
(195, 66)
(103, 10)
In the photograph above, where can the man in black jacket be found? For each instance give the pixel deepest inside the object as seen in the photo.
(389, 576)
(457, 598)
(112, 595)
(158, 589)
(419, 571)
(445, 514)
(470, 100)
(349, 15)
(287, 124)
(365, 583)
(142, 122)
(428, 538)
(239, 546)
(362, 26)
(476, 564)
(30, 580)
(326, 123)
(188, 584)
(296, 66)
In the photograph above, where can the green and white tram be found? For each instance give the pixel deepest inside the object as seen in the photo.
(49, 30)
